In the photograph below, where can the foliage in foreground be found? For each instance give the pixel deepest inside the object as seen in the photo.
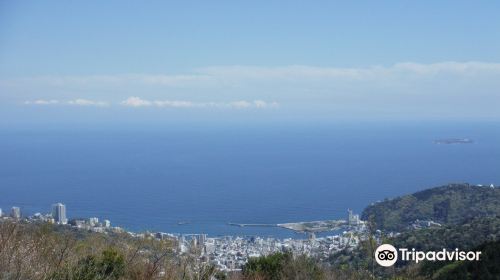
(109, 266)
(43, 251)
(488, 267)
(283, 266)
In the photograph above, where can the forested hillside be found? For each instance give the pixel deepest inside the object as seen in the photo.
(451, 204)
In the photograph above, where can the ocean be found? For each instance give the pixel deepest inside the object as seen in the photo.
(196, 179)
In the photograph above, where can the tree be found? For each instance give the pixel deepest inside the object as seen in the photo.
(283, 266)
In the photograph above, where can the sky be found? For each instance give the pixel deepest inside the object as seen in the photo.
(141, 61)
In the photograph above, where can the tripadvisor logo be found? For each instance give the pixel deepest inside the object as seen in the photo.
(386, 255)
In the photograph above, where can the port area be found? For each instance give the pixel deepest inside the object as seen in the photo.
(353, 223)
(316, 226)
(252, 225)
(304, 227)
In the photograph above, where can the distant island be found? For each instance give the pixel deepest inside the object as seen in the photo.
(454, 141)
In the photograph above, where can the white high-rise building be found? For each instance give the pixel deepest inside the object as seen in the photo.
(93, 221)
(15, 212)
(59, 213)
(1, 212)
(106, 223)
(202, 238)
(352, 219)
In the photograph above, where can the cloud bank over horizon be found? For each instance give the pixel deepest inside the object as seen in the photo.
(75, 102)
(135, 101)
(402, 89)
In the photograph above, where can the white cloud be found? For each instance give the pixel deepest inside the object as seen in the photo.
(76, 102)
(175, 103)
(86, 102)
(120, 80)
(223, 76)
(134, 101)
(263, 104)
(240, 104)
(302, 72)
(258, 104)
(42, 102)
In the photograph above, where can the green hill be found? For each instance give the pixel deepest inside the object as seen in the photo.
(451, 204)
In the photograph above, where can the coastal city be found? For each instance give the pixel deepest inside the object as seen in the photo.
(227, 253)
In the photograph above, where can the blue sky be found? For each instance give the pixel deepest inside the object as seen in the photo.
(337, 60)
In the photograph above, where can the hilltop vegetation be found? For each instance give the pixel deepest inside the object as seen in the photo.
(486, 268)
(280, 266)
(451, 204)
(467, 235)
(470, 218)
(44, 251)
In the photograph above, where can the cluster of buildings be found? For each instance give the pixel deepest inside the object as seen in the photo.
(15, 213)
(95, 225)
(58, 216)
(228, 253)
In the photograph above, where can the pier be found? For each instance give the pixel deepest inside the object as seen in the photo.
(252, 225)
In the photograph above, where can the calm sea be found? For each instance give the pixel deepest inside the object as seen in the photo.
(153, 178)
